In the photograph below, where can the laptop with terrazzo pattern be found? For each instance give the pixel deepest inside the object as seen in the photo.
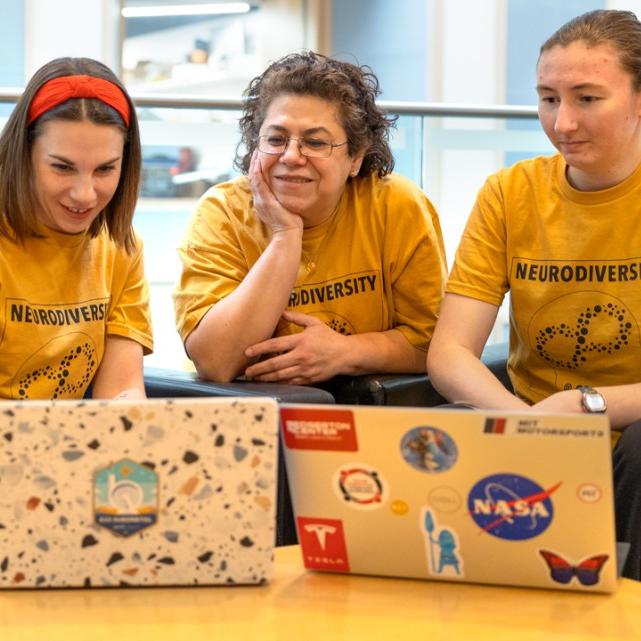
(153, 492)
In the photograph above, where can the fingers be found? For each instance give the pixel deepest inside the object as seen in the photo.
(260, 189)
(277, 369)
(270, 346)
(287, 375)
(303, 320)
(268, 207)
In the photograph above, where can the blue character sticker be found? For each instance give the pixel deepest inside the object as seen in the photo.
(442, 545)
(429, 449)
(510, 506)
(126, 497)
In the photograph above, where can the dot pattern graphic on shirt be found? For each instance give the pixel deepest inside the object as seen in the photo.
(66, 379)
(339, 326)
(581, 334)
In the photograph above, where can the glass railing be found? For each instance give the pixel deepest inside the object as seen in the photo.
(189, 144)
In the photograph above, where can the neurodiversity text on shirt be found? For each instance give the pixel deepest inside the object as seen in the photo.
(313, 294)
(86, 313)
(594, 272)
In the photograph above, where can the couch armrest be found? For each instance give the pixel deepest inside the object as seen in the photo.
(384, 389)
(412, 390)
(160, 382)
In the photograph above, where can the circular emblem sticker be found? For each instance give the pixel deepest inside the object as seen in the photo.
(589, 492)
(360, 486)
(429, 449)
(511, 507)
(445, 499)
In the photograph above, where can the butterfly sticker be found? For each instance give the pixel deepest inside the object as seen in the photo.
(587, 571)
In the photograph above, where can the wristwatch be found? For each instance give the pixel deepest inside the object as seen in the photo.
(592, 401)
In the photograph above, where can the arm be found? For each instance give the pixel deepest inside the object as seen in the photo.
(120, 374)
(128, 331)
(453, 360)
(408, 240)
(250, 313)
(319, 353)
(623, 403)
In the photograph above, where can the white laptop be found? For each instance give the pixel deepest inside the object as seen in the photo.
(154, 492)
(453, 495)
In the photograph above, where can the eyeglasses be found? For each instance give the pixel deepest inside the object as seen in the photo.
(309, 147)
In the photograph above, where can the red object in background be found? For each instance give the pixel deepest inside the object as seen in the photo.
(323, 544)
(314, 429)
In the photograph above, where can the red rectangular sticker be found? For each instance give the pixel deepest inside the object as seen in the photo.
(323, 544)
(319, 429)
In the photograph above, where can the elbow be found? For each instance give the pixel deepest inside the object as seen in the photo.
(434, 363)
(216, 372)
(213, 367)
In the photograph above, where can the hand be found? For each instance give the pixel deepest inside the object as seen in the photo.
(566, 401)
(268, 208)
(301, 359)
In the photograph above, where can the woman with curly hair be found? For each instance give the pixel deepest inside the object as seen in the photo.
(318, 261)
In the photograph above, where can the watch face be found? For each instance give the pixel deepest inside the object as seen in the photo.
(593, 402)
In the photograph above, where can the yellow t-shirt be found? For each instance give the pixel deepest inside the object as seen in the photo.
(60, 296)
(572, 263)
(378, 263)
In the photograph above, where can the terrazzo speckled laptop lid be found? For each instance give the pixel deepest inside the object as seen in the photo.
(154, 492)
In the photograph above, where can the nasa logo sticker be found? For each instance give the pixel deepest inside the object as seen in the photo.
(360, 486)
(510, 506)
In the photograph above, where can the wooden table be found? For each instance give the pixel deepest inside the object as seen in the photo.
(305, 606)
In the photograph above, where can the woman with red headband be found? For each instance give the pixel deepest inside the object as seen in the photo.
(74, 309)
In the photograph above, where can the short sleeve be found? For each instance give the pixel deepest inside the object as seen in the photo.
(129, 314)
(416, 264)
(480, 266)
(216, 254)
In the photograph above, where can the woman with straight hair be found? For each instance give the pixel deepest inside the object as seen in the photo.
(74, 303)
(562, 235)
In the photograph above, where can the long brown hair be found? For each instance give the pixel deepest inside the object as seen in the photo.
(17, 202)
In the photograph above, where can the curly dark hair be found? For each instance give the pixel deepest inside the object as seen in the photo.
(352, 89)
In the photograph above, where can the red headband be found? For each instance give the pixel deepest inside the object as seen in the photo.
(59, 90)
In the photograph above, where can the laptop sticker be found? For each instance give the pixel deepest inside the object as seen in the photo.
(510, 506)
(587, 572)
(429, 449)
(444, 499)
(442, 547)
(126, 497)
(323, 544)
(589, 492)
(399, 507)
(494, 425)
(360, 486)
(319, 429)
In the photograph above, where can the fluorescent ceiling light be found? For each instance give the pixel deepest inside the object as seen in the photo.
(213, 8)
